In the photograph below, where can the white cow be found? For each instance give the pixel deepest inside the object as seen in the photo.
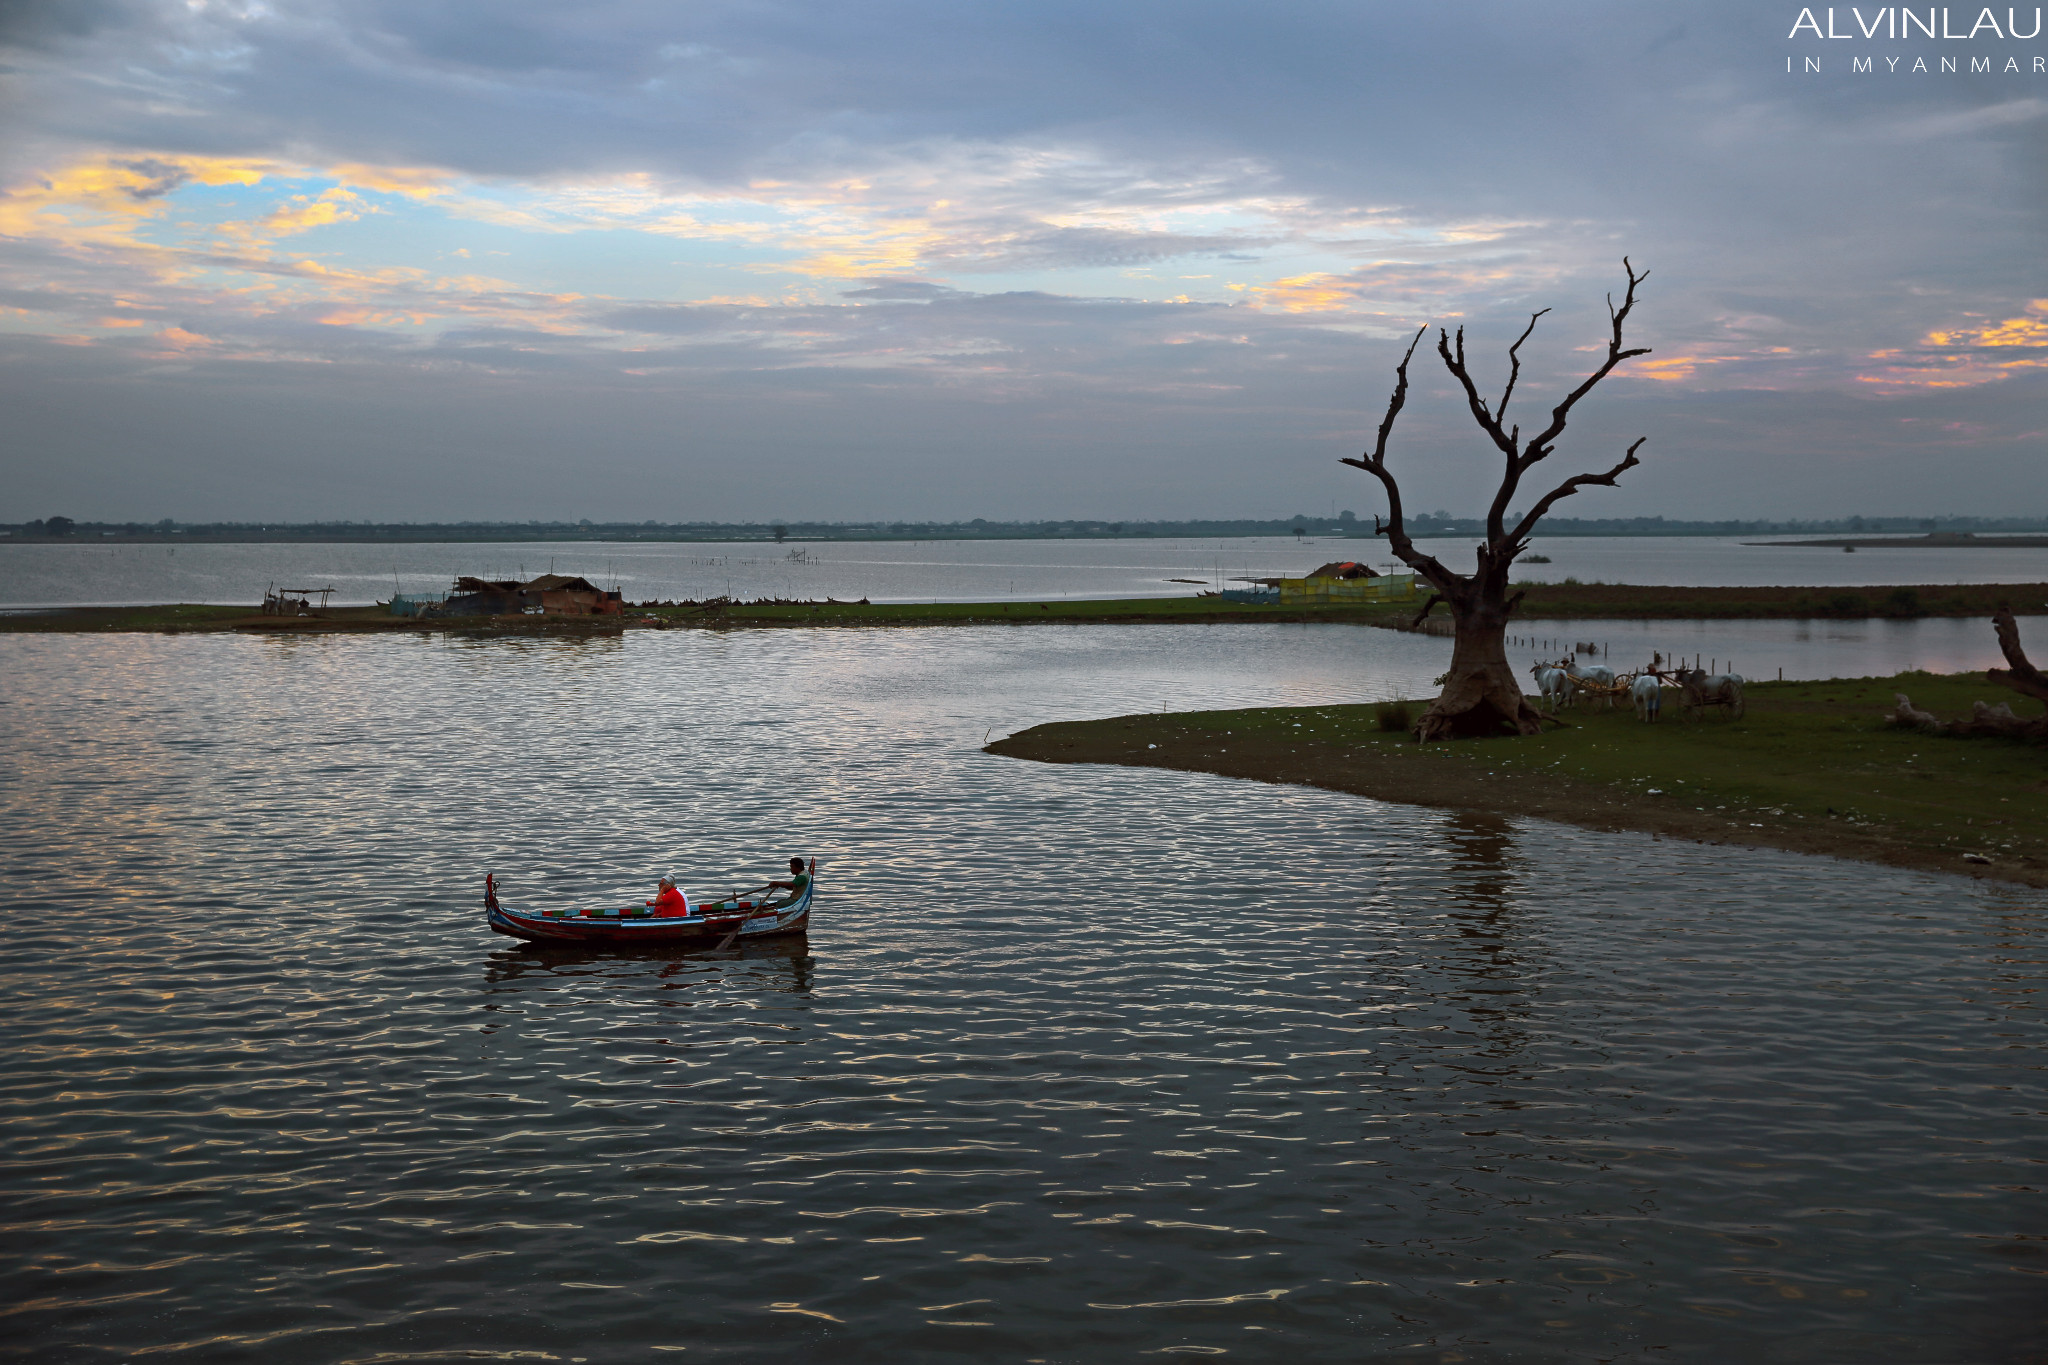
(1554, 683)
(1648, 695)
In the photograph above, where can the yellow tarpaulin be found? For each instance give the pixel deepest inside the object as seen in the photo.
(1335, 591)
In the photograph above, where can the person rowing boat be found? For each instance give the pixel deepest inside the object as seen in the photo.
(798, 880)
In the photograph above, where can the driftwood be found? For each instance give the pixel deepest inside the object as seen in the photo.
(1910, 717)
(1986, 720)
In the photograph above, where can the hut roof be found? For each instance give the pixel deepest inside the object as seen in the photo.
(557, 582)
(1345, 568)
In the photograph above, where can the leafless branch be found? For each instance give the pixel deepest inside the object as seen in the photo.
(1515, 365)
(1570, 486)
(1520, 458)
(1374, 462)
(1559, 415)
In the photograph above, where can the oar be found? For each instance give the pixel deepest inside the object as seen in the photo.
(745, 915)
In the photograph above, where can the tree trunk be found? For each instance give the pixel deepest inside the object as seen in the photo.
(1481, 695)
(2020, 676)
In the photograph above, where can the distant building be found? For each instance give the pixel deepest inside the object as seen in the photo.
(549, 595)
(1344, 582)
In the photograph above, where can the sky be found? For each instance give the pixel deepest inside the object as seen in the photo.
(764, 259)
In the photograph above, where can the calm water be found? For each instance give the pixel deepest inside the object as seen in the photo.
(953, 571)
(1874, 648)
(1077, 1065)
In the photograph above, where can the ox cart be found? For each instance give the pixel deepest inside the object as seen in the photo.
(1698, 690)
(1562, 683)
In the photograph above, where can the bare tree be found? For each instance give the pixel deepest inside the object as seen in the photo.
(1482, 694)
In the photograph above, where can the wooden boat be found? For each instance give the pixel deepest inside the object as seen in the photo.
(710, 924)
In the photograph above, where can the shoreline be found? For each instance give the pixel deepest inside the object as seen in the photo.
(1812, 769)
(1543, 602)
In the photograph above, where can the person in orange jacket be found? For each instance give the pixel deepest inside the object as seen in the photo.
(670, 903)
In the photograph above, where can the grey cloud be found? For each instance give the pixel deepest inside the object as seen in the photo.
(49, 300)
(43, 24)
(163, 178)
(1064, 248)
(902, 289)
(674, 319)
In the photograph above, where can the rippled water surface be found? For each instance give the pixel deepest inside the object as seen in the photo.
(942, 570)
(1077, 1064)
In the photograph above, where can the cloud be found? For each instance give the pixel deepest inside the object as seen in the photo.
(902, 290)
(301, 214)
(1966, 355)
(1175, 216)
(103, 199)
(2028, 329)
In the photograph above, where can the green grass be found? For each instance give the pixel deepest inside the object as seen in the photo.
(177, 616)
(1593, 601)
(1810, 753)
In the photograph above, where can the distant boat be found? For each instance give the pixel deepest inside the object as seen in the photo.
(745, 916)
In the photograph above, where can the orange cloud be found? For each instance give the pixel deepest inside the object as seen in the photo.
(102, 200)
(1305, 294)
(1673, 368)
(302, 213)
(2019, 331)
(412, 181)
(1968, 355)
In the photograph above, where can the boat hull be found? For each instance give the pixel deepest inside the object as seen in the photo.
(703, 930)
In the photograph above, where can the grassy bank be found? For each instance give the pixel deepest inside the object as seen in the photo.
(1811, 768)
(1610, 601)
(1593, 601)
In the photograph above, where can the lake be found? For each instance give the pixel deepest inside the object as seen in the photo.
(1076, 1064)
(951, 571)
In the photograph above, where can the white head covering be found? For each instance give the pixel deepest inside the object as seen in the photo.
(668, 879)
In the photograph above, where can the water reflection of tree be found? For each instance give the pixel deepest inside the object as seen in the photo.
(1488, 961)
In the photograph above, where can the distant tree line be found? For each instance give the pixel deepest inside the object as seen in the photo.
(1438, 523)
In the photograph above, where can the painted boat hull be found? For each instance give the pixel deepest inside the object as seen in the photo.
(701, 930)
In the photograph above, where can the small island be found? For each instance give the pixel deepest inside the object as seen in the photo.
(1814, 767)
